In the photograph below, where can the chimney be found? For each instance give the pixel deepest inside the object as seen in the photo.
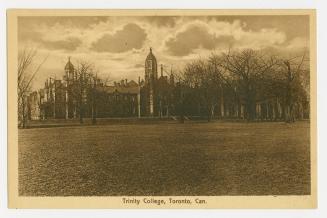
(161, 70)
(125, 82)
(139, 80)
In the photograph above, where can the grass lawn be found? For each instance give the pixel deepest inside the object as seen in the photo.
(166, 159)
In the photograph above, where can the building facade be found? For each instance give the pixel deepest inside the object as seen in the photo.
(157, 95)
(119, 100)
(156, 92)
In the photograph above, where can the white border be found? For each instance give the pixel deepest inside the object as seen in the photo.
(176, 4)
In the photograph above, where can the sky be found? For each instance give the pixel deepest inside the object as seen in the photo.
(118, 46)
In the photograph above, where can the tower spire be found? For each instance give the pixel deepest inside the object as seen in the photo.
(172, 79)
(161, 69)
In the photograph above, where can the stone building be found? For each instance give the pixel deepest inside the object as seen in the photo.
(58, 99)
(33, 106)
(51, 100)
(157, 95)
(149, 89)
(119, 100)
(69, 98)
(156, 92)
(71, 85)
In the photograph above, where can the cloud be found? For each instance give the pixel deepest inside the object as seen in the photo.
(130, 37)
(260, 39)
(139, 66)
(118, 45)
(298, 42)
(161, 21)
(28, 35)
(69, 21)
(200, 36)
(194, 37)
(68, 44)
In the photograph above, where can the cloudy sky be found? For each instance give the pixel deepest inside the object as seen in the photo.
(118, 46)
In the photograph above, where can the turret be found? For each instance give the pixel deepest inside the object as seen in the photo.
(151, 72)
(69, 70)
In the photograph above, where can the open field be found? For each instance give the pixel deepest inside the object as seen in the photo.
(166, 159)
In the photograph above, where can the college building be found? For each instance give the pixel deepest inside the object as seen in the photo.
(156, 95)
(75, 95)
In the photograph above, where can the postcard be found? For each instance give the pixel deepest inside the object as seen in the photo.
(162, 108)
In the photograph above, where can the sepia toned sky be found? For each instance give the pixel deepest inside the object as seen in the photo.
(118, 46)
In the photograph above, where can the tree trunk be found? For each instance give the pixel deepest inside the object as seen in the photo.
(81, 110)
(181, 111)
(94, 121)
(181, 104)
(222, 108)
(208, 113)
(248, 104)
(23, 113)
(289, 117)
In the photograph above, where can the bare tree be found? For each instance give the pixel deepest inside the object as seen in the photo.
(294, 73)
(248, 67)
(179, 92)
(203, 76)
(87, 82)
(94, 98)
(26, 74)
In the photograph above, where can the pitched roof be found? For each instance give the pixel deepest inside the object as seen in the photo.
(131, 88)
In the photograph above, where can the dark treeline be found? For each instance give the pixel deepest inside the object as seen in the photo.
(245, 85)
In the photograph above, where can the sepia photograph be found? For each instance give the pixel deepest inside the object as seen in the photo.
(147, 108)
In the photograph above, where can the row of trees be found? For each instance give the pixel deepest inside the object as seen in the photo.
(248, 76)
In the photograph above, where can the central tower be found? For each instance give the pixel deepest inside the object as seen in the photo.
(151, 76)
